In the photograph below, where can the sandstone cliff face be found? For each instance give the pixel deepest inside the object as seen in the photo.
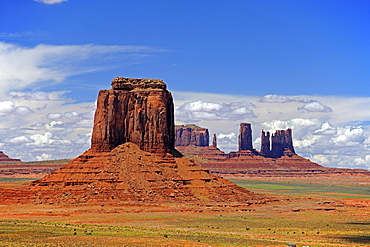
(245, 137)
(191, 134)
(282, 143)
(135, 110)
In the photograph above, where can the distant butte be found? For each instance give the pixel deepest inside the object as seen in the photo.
(277, 157)
(191, 134)
(132, 158)
(5, 158)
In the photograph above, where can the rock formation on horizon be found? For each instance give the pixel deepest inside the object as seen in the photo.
(277, 156)
(245, 137)
(282, 143)
(131, 158)
(191, 134)
(5, 158)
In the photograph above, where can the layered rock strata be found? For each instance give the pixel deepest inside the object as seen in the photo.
(5, 158)
(129, 174)
(191, 134)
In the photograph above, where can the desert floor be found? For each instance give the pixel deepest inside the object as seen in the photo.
(308, 211)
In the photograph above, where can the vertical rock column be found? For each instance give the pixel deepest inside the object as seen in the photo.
(214, 142)
(265, 144)
(245, 137)
(135, 110)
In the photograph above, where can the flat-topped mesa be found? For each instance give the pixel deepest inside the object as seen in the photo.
(245, 137)
(282, 143)
(140, 111)
(128, 84)
(191, 134)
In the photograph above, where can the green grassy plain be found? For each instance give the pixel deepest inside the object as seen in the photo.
(307, 214)
(313, 189)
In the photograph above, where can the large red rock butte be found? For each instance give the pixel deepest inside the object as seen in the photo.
(132, 158)
(134, 110)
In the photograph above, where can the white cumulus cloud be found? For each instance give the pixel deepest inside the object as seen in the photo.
(40, 139)
(50, 1)
(54, 116)
(23, 110)
(18, 139)
(71, 114)
(227, 141)
(349, 136)
(198, 110)
(274, 98)
(315, 106)
(6, 107)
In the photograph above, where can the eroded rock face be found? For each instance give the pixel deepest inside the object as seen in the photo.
(245, 137)
(191, 134)
(282, 143)
(265, 144)
(134, 110)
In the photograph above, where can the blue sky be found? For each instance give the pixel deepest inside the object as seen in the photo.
(283, 63)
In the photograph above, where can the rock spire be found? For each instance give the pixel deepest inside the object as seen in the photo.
(245, 137)
(214, 142)
(265, 144)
